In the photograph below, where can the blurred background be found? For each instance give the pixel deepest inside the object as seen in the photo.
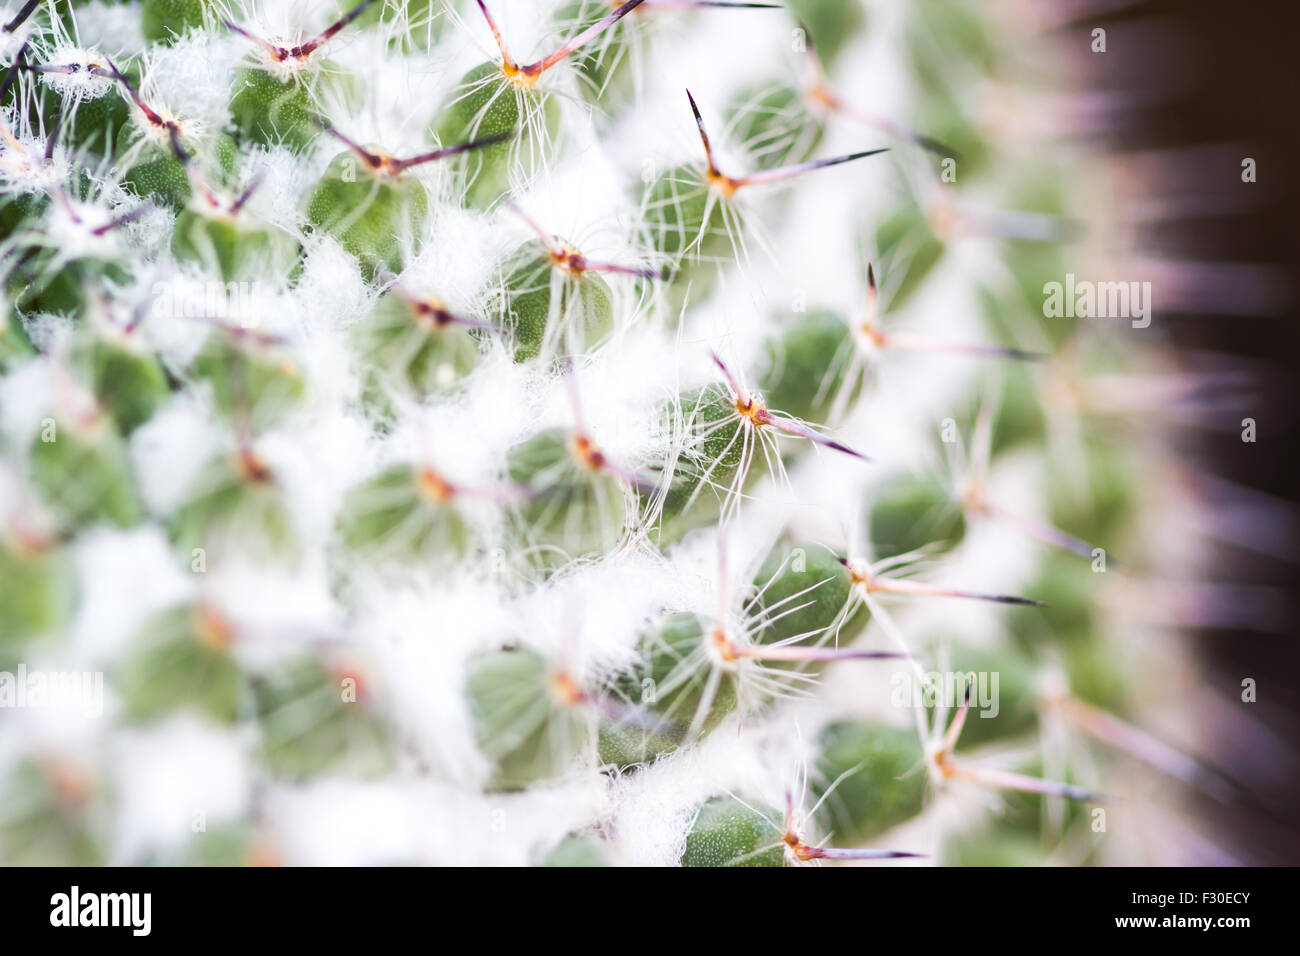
(1203, 85)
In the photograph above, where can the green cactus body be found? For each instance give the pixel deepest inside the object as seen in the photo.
(729, 832)
(577, 850)
(526, 718)
(803, 594)
(548, 308)
(235, 506)
(687, 224)
(161, 179)
(404, 514)
(20, 209)
(413, 344)
(997, 849)
(221, 845)
(164, 20)
(316, 721)
(1068, 588)
(909, 251)
(911, 512)
(487, 103)
(775, 125)
(83, 473)
(1024, 833)
(270, 111)
(805, 368)
(685, 689)
(232, 245)
(126, 378)
(370, 211)
(1106, 502)
(60, 288)
(710, 464)
(182, 661)
(575, 507)
(14, 344)
(1071, 626)
(98, 122)
(830, 23)
(48, 818)
(881, 779)
(947, 118)
(36, 592)
(252, 382)
(1020, 415)
(933, 35)
(1003, 700)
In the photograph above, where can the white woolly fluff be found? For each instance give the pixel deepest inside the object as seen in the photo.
(81, 84)
(418, 641)
(123, 578)
(181, 778)
(172, 449)
(191, 79)
(113, 28)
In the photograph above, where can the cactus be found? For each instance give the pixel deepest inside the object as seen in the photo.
(383, 492)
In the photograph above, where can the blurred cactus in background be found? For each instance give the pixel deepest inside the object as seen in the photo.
(449, 440)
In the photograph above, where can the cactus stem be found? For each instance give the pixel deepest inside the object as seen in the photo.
(730, 650)
(584, 449)
(213, 628)
(161, 123)
(242, 199)
(1116, 733)
(727, 186)
(385, 166)
(122, 220)
(800, 851)
(29, 540)
(299, 53)
(1038, 530)
(568, 259)
(871, 581)
(52, 139)
(11, 74)
(818, 93)
(1007, 780)
(786, 172)
(434, 487)
(526, 76)
(566, 690)
(250, 466)
(916, 343)
(786, 653)
(873, 338)
(751, 410)
(69, 69)
(696, 4)
(951, 768)
(432, 312)
(21, 16)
